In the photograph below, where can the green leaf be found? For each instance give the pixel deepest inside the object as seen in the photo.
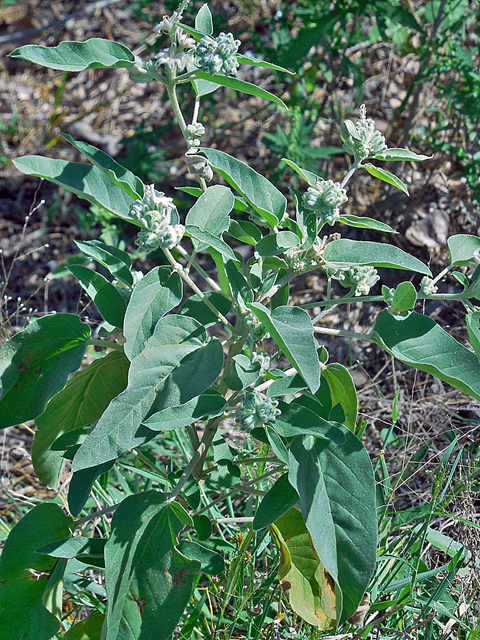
(106, 298)
(243, 373)
(256, 62)
(366, 223)
(119, 175)
(286, 386)
(305, 584)
(241, 290)
(81, 484)
(336, 486)
(350, 253)
(462, 248)
(404, 299)
(82, 402)
(35, 364)
(196, 308)
(204, 21)
(385, 176)
(244, 231)
(147, 579)
(24, 574)
(342, 391)
(159, 291)
(309, 177)
(117, 262)
(83, 180)
(421, 343)
(176, 365)
(95, 53)
(279, 499)
(241, 85)
(266, 199)
(74, 548)
(88, 629)
(401, 155)
(210, 403)
(292, 330)
(210, 240)
(297, 419)
(276, 243)
(473, 327)
(211, 562)
(211, 212)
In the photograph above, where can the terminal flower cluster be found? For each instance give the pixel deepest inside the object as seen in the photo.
(325, 199)
(216, 56)
(264, 361)
(361, 278)
(256, 410)
(361, 139)
(159, 218)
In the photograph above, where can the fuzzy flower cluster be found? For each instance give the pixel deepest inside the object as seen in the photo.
(263, 360)
(428, 286)
(159, 218)
(256, 410)
(255, 327)
(217, 55)
(362, 140)
(361, 278)
(325, 199)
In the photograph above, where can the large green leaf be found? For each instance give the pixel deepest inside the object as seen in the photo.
(276, 502)
(336, 486)
(462, 248)
(88, 629)
(341, 254)
(385, 176)
(35, 364)
(108, 300)
(421, 343)
(156, 294)
(210, 403)
(292, 330)
(25, 575)
(144, 568)
(276, 243)
(361, 222)
(84, 180)
(211, 212)
(79, 404)
(207, 239)
(95, 53)
(196, 308)
(342, 391)
(266, 199)
(120, 176)
(472, 320)
(116, 261)
(177, 364)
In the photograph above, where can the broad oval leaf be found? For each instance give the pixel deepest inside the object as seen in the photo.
(292, 330)
(401, 155)
(241, 85)
(350, 253)
(209, 240)
(106, 298)
(336, 486)
(159, 291)
(279, 499)
(360, 222)
(84, 180)
(211, 211)
(261, 194)
(35, 364)
(276, 243)
(421, 343)
(204, 21)
(385, 176)
(82, 402)
(95, 53)
(462, 248)
(404, 298)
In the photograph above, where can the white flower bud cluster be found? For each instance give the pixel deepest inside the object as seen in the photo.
(427, 286)
(159, 218)
(217, 55)
(256, 328)
(256, 410)
(362, 278)
(195, 132)
(263, 360)
(362, 140)
(325, 199)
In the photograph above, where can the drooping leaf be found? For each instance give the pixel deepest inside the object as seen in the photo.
(279, 499)
(361, 222)
(349, 253)
(336, 486)
(119, 175)
(402, 155)
(144, 568)
(385, 176)
(210, 403)
(302, 578)
(35, 364)
(211, 212)
(292, 330)
(116, 261)
(107, 299)
(176, 365)
(241, 291)
(80, 547)
(421, 343)
(95, 53)
(82, 402)
(276, 243)
(209, 240)
(154, 296)
(266, 199)
(342, 391)
(84, 180)
(24, 574)
(462, 248)
(241, 85)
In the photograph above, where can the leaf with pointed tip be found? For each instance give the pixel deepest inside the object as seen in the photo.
(116, 261)
(309, 177)
(385, 176)
(342, 391)
(256, 62)
(462, 248)
(241, 85)
(108, 300)
(275, 503)
(361, 222)
(211, 212)
(204, 21)
(402, 155)
(210, 403)
(209, 240)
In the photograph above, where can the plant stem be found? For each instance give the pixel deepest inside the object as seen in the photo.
(344, 334)
(199, 269)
